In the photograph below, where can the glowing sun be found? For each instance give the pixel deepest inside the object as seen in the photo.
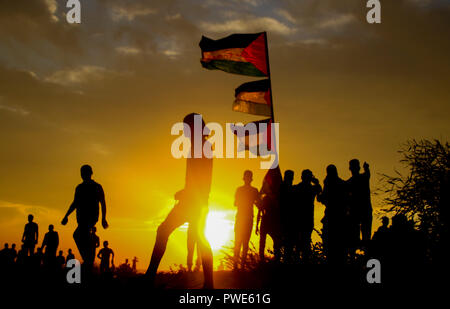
(219, 230)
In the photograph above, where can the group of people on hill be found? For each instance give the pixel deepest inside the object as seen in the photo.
(46, 255)
(286, 213)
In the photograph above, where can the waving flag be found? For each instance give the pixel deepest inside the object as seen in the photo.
(253, 98)
(252, 141)
(244, 54)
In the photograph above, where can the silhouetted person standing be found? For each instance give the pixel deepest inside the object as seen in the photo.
(38, 257)
(21, 256)
(193, 208)
(306, 192)
(106, 255)
(334, 197)
(245, 198)
(383, 230)
(60, 260)
(360, 204)
(30, 236)
(380, 240)
(13, 253)
(88, 196)
(134, 265)
(70, 255)
(4, 257)
(50, 244)
(268, 219)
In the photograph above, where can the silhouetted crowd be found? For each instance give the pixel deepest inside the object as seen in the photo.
(286, 214)
(47, 260)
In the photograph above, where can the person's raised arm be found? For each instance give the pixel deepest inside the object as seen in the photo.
(103, 203)
(72, 207)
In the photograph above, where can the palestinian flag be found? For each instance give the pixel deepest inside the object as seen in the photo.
(243, 54)
(253, 98)
(262, 137)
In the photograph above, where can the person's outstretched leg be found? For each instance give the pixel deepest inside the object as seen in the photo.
(173, 220)
(237, 242)
(81, 237)
(245, 242)
(206, 252)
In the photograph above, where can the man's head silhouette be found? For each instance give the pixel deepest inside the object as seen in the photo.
(86, 172)
(385, 221)
(30, 218)
(354, 166)
(332, 171)
(190, 121)
(51, 227)
(307, 176)
(6, 246)
(248, 177)
(289, 176)
(105, 244)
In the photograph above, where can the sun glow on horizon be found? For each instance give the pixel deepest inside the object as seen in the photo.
(219, 229)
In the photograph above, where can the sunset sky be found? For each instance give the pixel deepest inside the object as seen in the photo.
(106, 92)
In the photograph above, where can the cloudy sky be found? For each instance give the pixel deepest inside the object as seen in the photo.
(107, 91)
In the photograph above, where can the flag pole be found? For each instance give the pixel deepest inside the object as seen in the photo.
(268, 75)
(272, 118)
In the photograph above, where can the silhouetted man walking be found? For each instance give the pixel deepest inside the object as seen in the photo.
(306, 192)
(193, 207)
(88, 195)
(50, 243)
(246, 196)
(360, 203)
(30, 236)
(105, 255)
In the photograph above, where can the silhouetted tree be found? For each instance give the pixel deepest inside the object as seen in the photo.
(422, 193)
